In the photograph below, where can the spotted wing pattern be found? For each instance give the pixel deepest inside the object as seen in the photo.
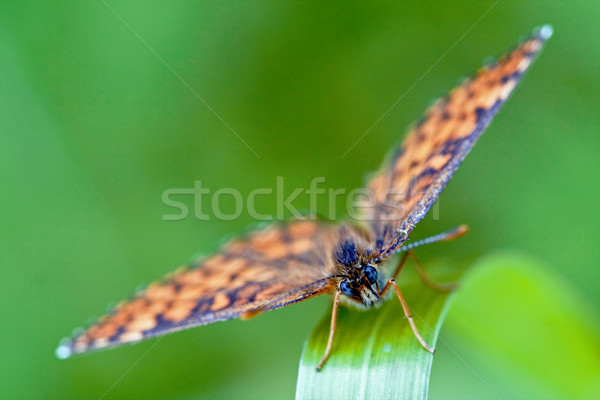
(414, 176)
(270, 268)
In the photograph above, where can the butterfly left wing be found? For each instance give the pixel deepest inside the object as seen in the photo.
(412, 179)
(271, 268)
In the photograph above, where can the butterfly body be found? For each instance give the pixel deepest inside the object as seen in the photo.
(283, 264)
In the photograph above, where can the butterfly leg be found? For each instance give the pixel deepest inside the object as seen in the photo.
(395, 274)
(336, 301)
(453, 234)
(426, 279)
(392, 282)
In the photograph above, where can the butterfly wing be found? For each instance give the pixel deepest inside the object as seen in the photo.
(270, 268)
(414, 176)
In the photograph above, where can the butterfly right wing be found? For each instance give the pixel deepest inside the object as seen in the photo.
(413, 178)
(271, 268)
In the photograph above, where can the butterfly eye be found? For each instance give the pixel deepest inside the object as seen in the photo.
(371, 274)
(346, 288)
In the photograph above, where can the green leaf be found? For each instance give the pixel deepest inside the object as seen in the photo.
(519, 323)
(375, 354)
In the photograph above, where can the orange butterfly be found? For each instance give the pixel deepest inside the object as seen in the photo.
(287, 263)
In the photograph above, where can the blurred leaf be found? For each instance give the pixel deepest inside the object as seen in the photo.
(375, 354)
(529, 327)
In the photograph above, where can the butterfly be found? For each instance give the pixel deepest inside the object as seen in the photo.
(286, 263)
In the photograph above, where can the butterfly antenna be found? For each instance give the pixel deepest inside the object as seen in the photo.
(452, 234)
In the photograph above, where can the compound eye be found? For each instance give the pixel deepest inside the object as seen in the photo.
(346, 289)
(371, 274)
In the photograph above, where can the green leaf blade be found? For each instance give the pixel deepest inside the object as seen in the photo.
(375, 353)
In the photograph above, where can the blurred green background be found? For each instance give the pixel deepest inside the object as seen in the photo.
(94, 127)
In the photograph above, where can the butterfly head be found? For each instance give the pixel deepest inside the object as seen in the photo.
(359, 276)
(360, 284)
